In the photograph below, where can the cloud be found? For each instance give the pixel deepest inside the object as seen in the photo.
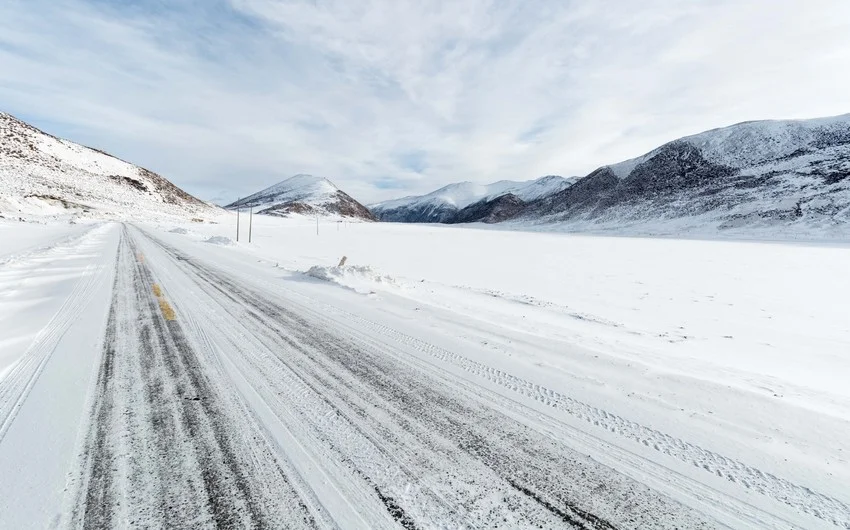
(393, 97)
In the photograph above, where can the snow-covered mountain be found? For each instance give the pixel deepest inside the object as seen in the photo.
(42, 174)
(774, 176)
(304, 194)
(770, 177)
(444, 204)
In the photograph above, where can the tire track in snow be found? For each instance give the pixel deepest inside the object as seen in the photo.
(17, 384)
(800, 497)
(162, 449)
(525, 462)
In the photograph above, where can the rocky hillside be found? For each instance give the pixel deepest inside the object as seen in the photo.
(755, 175)
(775, 178)
(465, 202)
(305, 195)
(42, 174)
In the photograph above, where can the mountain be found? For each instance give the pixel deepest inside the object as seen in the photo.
(304, 194)
(496, 210)
(445, 204)
(43, 174)
(781, 178)
(785, 175)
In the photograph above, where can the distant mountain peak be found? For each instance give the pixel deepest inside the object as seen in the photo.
(443, 205)
(306, 195)
(775, 176)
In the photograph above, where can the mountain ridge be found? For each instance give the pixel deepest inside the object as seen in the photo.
(306, 195)
(41, 173)
(754, 175)
(444, 204)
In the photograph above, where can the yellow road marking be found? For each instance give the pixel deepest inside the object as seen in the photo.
(164, 306)
(167, 310)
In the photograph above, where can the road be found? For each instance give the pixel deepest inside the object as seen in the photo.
(217, 400)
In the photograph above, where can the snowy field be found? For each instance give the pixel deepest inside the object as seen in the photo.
(655, 382)
(764, 317)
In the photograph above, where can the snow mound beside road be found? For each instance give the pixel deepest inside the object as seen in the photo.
(219, 240)
(361, 278)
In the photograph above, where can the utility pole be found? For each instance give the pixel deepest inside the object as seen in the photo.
(237, 218)
(250, 221)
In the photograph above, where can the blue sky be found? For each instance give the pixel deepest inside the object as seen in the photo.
(393, 97)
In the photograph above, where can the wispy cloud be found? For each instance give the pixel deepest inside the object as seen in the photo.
(394, 97)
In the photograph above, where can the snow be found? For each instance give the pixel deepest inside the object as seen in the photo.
(53, 305)
(303, 188)
(750, 143)
(20, 238)
(351, 372)
(688, 294)
(38, 171)
(219, 240)
(462, 194)
(713, 372)
(360, 278)
(303, 195)
(34, 282)
(539, 188)
(710, 341)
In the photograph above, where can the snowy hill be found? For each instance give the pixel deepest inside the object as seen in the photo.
(44, 175)
(444, 204)
(304, 194)
(772, 177)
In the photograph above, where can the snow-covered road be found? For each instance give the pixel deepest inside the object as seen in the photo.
(171, 386)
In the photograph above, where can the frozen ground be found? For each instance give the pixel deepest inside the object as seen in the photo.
(442, 377)
(17, 238)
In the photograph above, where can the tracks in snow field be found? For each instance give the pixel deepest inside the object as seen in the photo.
(24, 374)
(393, 436)
(166, 448)
(221, 404)
(801, 498)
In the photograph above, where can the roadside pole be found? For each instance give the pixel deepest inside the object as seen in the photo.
(237, 219)
(317, 224)
(250, 221)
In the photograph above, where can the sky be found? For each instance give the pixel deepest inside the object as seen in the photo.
(389, 98)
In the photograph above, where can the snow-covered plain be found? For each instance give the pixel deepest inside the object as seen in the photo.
(19, 238)
(741, 346)
(712, 372)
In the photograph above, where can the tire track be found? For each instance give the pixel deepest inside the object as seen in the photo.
(23, 376)
(803, 499)
(163, 447)
(572, 489)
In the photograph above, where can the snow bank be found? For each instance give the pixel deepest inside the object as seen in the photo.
(361, 278)
(219, 240)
